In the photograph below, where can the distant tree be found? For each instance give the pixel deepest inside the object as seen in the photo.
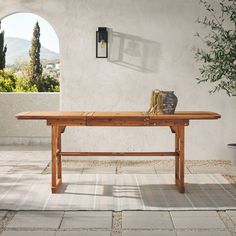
(3, 50)
(35, 69)
(20, 67)
(48, 83)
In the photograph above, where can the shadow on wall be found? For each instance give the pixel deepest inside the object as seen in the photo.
(133, 52)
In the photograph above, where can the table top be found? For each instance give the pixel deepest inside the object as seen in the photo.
(179, 115)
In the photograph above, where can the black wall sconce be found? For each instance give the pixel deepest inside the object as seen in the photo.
(102, 42)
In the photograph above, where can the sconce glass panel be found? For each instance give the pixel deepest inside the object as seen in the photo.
(102, 43)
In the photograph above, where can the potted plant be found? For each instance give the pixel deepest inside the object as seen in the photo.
(218, 58)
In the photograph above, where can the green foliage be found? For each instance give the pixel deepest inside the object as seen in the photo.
(7, 81)
(24, 85)
(10, 83)
(35, 69)
(3, 50)
(218, 58)
(48, 83)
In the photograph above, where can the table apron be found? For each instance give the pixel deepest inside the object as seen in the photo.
(115, 122)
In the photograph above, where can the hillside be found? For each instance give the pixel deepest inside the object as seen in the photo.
(19, 48)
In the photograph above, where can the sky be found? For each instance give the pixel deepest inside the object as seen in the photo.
(21, 25)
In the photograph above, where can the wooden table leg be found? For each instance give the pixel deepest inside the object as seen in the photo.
(59, 174)
(181, 159)
(61, 129)
(54, 158)
(176, 157)
(56, 181)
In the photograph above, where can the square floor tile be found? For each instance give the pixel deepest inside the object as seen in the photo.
(207, 169)
(168, 170)
(146, 220)
(137, 170)
(148, 233)
(99, 170)
(232, 215)
(36, 219)
(28, 233)
(70, 170)
(194, 213)
(204, 233)
(27, 169)
(2, 214)
(197, 220)
(5, 168)
(233, 218)
(231, 170)
(87, 220)
(83, 233)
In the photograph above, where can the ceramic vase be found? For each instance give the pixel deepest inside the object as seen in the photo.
(169, 102)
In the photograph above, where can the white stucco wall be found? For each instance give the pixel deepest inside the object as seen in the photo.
(165, 28)
(13, 131)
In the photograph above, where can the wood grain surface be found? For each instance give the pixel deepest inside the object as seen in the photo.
(97, 115)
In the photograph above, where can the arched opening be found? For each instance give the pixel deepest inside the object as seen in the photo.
(18, 92)
(31, 54)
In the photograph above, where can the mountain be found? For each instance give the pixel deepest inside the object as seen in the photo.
(19, 48)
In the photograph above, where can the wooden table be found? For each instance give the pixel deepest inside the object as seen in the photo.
(59, 120)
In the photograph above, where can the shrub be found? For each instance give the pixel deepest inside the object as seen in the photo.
(218, 58)
(7, 81)
(23, 85)
(48, 83)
